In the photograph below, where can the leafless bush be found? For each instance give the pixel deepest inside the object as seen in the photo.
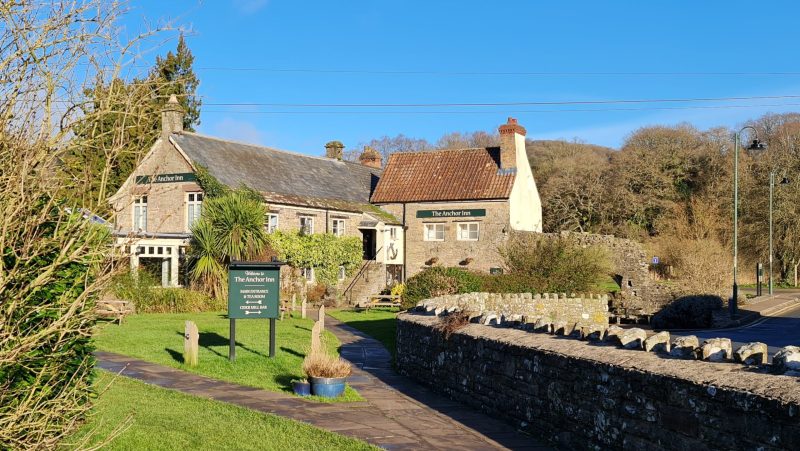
(452, 322)
(53, 262)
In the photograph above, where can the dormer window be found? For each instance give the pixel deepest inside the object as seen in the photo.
(140, 213)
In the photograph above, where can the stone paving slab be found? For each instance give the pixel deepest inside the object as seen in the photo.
(398, 415)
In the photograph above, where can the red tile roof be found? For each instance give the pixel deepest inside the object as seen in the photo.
(444, 175)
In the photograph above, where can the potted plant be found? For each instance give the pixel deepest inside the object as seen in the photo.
(326, 374)
(301, 387)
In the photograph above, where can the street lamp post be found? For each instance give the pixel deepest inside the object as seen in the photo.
(754, 146)
(784, 181)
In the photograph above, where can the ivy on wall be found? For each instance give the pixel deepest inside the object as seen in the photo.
(323, 252)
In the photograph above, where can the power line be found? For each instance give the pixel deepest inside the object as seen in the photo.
(499, 104)
(572, 110)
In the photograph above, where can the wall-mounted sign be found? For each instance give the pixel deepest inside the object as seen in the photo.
(451, 213)
(253, 290)
(166, 178)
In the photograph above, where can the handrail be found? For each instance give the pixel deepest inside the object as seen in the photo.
(361, 271)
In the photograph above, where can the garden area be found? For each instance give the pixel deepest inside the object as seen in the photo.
(162, 419)
(158, 338)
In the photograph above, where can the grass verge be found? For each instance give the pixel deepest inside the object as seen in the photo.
(161, 419)
(158, 338)
(378, 323)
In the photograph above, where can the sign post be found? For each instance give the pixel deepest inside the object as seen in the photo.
(253, 293)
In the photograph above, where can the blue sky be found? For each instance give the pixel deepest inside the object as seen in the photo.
(575, 46)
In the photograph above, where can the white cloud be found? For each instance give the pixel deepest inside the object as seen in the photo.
(236, 130)
(250, 6)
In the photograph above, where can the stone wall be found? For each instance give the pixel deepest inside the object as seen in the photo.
(480, 255)
(552, 311)
(638, 292)
(584, 395)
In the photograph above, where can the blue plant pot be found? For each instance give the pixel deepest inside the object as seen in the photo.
(327, 387)
(301, 388)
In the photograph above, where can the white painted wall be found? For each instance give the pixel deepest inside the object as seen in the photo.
(525, 206)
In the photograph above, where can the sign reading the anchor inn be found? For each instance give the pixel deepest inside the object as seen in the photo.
(166, 178)
(253, 290)
(474, 213)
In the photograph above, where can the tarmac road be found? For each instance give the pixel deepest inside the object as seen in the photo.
(776, 331)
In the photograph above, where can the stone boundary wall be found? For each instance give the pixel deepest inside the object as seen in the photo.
(553, 311)
(584, 395)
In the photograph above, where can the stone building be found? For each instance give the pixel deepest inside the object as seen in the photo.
(458, 206)
(158, 203)
(449, 207)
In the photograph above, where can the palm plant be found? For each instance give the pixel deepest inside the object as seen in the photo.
(231, 227)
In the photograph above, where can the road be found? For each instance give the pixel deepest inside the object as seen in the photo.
(776, 331)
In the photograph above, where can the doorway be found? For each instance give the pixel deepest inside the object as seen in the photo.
(369, 241)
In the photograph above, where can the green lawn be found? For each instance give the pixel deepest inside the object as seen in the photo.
(380, 324)
(158, 338)
(161, 419)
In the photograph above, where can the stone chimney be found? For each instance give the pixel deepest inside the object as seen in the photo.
(512, 141)
(334, 150)
(171, 117)
(370, 157)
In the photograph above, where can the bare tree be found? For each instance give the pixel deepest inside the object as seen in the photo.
(54, 262)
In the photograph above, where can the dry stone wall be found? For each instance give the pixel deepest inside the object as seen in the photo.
(549, 310)
(584, 395)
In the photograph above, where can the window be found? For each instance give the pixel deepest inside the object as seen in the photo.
(342, 273)
(434, 232)
(468, 231)
(307, 224)
(338, 227)
(194, 205)
(308, 273)
(272, 222)
(140, 213)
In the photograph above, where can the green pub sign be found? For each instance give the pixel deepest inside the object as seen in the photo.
(166, 178)
(253, 290)
(474, 213)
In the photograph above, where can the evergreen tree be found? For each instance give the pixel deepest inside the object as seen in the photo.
(175, 70)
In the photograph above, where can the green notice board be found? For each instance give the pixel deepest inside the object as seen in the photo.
(253, 290)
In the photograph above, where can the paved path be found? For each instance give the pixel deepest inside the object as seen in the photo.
(398, 414)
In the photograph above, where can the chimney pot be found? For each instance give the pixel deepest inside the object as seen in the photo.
(508, 143)
(172, 117)
(371, 157)
(334, 150)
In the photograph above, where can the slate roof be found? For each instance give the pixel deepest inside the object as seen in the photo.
(444, 175)
(283, 177)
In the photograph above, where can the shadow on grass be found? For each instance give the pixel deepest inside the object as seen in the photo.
(292, 352)
(177, 356)
(209, 340)
(301, 327)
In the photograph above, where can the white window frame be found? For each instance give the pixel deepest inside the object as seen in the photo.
(434, 226)
(342, 273)
(194, 208)
(270, 228)
(308, 274)
(467, 226)
(338, 227)
(140, 213)
(308, 229)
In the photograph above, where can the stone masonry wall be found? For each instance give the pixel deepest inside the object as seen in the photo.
(585, 396)
(550, 310)
(480, 255)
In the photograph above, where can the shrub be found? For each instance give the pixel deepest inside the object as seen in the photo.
(319, 364)
(438, 281)
(147, 297)
(316, 293)
(688, 312)
(553, 263)
(511, 283)
(451, 323)
(324, 252)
